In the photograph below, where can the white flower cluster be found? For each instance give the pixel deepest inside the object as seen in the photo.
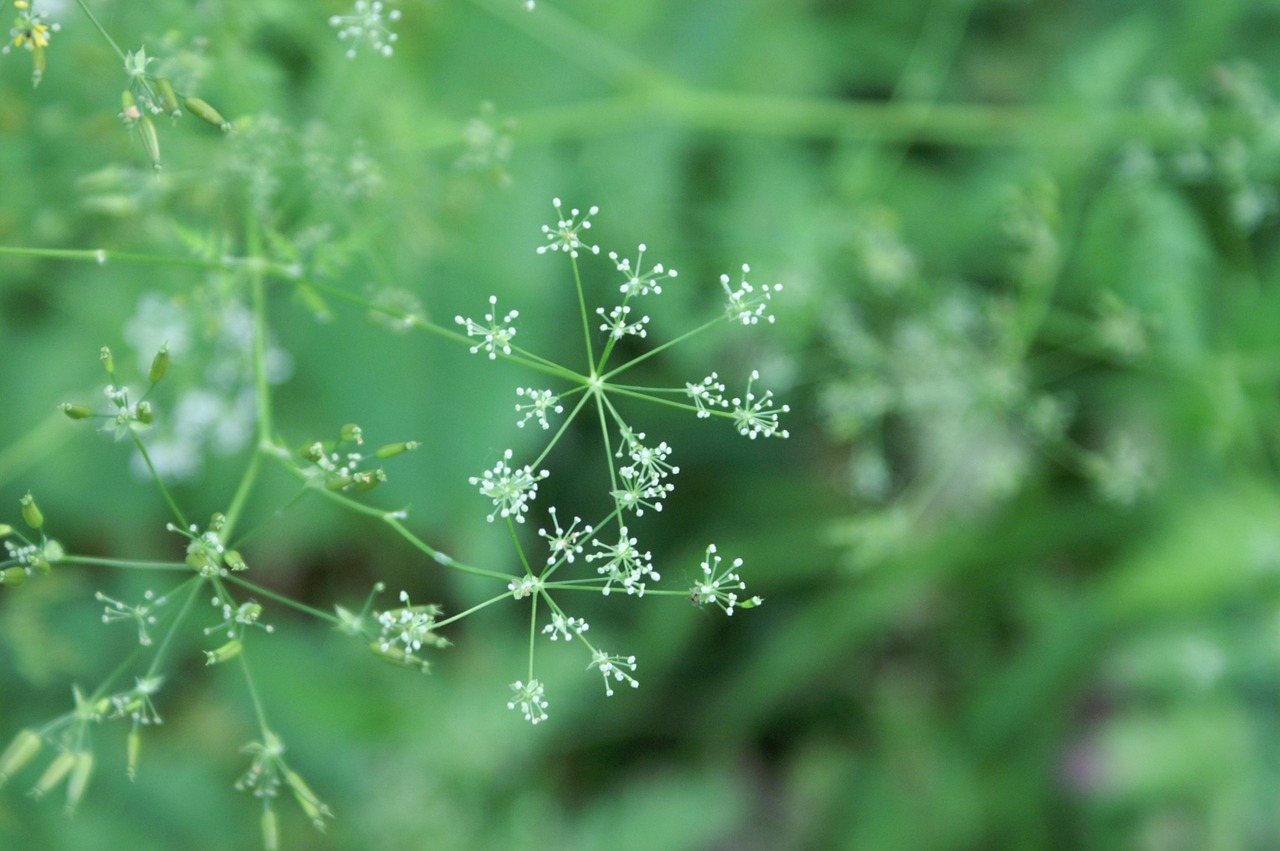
(716, 582)
(625, 564)
(641, 283)
(643, 484)
(563, 627)
(494, 335)
(510, 489)
(540, 402)
(529, 697)
(617, 668)
(564, 544)
(367, 23)
(707, 394)
(409, 625)
(141, 614)
(567, 234)
(618, 322)
(754, 418)
(746, 304)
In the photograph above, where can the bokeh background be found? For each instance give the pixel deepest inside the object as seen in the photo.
(1021, 553)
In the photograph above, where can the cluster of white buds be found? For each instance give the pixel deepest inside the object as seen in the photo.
(624, 564)
(720, 585)
(510, 489)
(494, 335)
(142, 614)
(616, 668)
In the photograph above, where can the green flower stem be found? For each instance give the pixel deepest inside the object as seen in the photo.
(42, 441)
(100, 256)
(515, 541)
(197, 582)
(503, 596)
(582, 309)
(533, 632)
(253, 695)
(658, 350)
(105, 685)
(440, 557)
(526, 359)
(622, 390)
(280, 598)
(275, 515)
(604, 436)
(168, 497)
(564, 426)
(93, 19)
(260, 341)
(242, 493)
(126, 564)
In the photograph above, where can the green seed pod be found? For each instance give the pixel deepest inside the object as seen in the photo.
(5, 530)
(133, 748)
(146, 414)
(108, 363)
(150, 140)
(12, 577)
(79, 780)
(21, 751)
(31, 512)
(337, 483)
(315, 809)
(393, 449)
(202, 110)
(201, 563)
(313, 452)
(225, 653)
(396, 656)
(234, 560)
(168, 97)
(352, 432)
(40, 564)
(270, 830)
(366, 482)
(159, 365)
(54, 774)
(76, 412)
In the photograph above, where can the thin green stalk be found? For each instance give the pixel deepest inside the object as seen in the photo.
(503, 596)
(159, 483)
(242, 493)
(253, 695)
(582, 309)
(101, 257)
(101, 29)
(126, 564)
(275, 515)
(198, 583)
(564, 426)
(280, 598)
(659, 349)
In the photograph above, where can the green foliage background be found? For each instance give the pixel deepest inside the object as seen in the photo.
(939, 664)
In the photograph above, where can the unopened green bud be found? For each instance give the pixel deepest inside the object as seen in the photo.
(129, 112)
(54, 774)
(366, 482)
(202, 110)
(159, 365)
(201, 562)
(234, 560)
(393, 449)
(146, 413)
(133, 748)
(13, 576)
(217, 522)
(397, 656)
(315, 809)
(108, 363)
(352, 432)
(76, 412)
(314, 452)
(31, 512)
(270, 830)
(168, 97)
(21, 751)
(79, 780)
(337, 483)
(5, 530)
(150, 140)
(225, 653)
(40, 563)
